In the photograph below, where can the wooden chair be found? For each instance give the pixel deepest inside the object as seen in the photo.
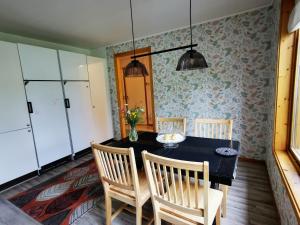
(121, 180)
(176, 193)
(213, 128)
(171, 125)
(220, 129)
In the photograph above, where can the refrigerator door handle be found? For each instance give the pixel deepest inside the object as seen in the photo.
(67, 103)
(29, 105)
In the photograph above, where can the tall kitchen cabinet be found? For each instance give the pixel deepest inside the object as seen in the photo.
(17, 150)
(46, 102)
(78, 97)
(53, 104)
(100, 96)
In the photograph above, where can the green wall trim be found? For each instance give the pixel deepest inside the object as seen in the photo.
(99, 52)
(31, 41)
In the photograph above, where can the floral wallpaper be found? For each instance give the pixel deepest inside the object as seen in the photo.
(285, 209)
(236, 85)
(239, 83)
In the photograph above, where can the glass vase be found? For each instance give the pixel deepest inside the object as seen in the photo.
(133, 135)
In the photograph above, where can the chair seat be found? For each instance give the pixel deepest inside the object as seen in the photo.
(214, 202)
(144, 189)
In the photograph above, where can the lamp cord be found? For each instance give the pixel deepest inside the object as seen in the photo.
(191, 31)
(132, 29)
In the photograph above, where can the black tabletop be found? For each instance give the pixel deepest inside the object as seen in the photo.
(221, 168)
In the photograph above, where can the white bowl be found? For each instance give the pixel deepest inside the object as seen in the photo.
(170, 138)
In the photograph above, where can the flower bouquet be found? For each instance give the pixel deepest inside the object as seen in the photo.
(133, 116)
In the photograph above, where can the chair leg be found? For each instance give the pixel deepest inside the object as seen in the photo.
(224, 189)
(157, 220)
(108, 210)
(139, 211)
(218, 216)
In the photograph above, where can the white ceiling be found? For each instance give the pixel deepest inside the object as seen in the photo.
(96, 23)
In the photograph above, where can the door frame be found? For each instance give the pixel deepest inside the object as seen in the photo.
(120, 84)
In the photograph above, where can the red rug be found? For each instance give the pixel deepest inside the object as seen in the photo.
(64, 198)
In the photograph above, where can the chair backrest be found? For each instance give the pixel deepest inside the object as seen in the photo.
(171, 125)
(175, 184)
(213, 128)
(117, 167)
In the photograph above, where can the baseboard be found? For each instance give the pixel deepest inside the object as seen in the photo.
(89, 150)
(48, 167)
(55, 164)
(82, 153)
(245, 159)
(108, 141)
(44, 169)
(18, 180)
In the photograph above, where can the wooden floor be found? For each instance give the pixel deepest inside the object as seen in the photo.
(250, 199)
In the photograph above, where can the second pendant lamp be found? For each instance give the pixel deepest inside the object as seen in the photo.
(135, 67)
(191, 60)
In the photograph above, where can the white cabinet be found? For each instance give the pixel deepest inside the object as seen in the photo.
(49, 121)
(51, 131)
(16, 141)
(13, 113)
(73, 66)
(80, 113)
(39, 63)
(17, 155)
(100, 97)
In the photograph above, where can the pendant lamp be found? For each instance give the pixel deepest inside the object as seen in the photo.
(135, 67)
(191, 60)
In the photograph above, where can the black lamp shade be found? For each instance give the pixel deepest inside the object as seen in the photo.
(191, 60)
(135, 68)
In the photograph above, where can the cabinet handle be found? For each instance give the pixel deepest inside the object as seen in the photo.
(29, 105)
(67, 103)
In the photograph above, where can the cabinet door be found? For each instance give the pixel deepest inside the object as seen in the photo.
(100, 96)
(80, 114)
(73, 66)
(13, 113)
(17, 155)
(49, 120)
(39, 63)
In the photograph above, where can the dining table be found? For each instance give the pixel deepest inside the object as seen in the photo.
(222, 169)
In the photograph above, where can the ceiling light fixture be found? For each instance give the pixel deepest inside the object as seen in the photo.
(192, 59)
(135, 67)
